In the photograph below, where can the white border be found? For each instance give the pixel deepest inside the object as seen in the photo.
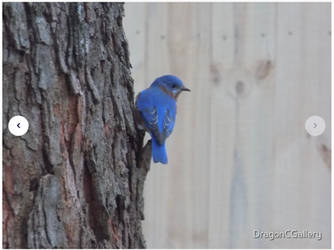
(1, 99)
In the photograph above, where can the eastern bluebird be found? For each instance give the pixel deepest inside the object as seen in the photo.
(157, 110)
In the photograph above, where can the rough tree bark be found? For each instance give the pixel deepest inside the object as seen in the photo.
(75, 180)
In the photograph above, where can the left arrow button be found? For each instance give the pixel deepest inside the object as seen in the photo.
(18, 125)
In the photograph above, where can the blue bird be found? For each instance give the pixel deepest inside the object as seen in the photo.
(157, 111)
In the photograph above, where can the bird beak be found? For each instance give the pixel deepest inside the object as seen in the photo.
(185, 89)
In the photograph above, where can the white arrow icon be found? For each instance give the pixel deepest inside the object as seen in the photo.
(18, 125)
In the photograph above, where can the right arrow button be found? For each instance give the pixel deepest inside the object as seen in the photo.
(315, 125)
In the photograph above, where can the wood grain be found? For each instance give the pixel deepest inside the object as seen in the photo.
(239, 157)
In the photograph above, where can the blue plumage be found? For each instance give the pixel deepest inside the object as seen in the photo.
(157, 108)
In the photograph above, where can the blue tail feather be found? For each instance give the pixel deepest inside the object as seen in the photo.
(159, 153)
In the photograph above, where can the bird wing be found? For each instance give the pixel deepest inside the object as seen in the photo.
(168, 123)
(149, 115)
(159, 121)
(160, 130)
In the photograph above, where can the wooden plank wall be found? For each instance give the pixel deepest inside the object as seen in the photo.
(239, 157)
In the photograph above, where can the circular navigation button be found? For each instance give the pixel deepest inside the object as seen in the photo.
(18, 125)
(315, 125)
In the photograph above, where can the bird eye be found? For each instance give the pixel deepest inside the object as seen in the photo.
(174, 86)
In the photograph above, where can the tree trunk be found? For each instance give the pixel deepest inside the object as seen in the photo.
(75, 180)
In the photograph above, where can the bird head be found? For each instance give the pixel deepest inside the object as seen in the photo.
(170, 84)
